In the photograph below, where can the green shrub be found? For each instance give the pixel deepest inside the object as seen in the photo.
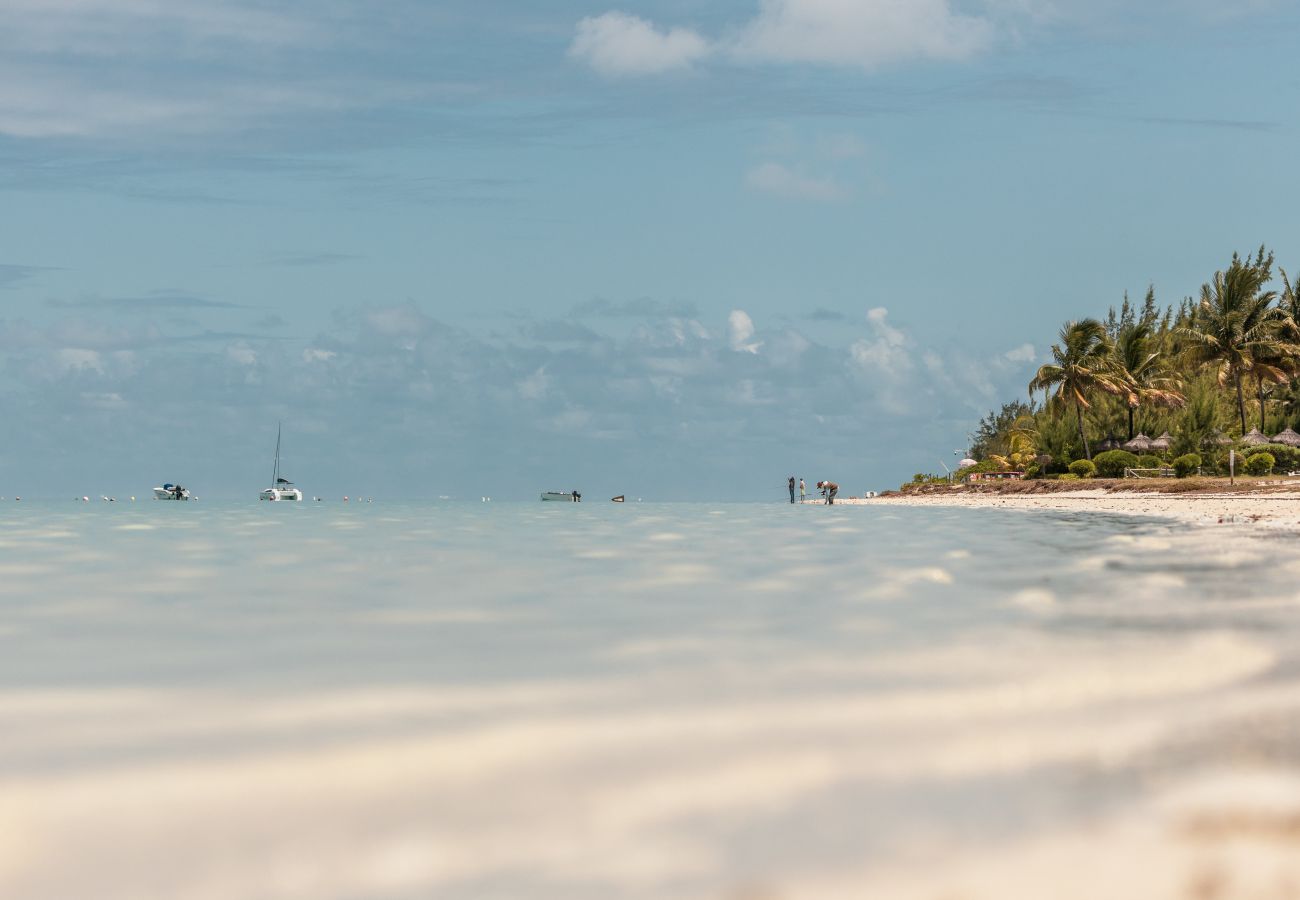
(1112, 463)
(1187, 464)
(1150, 461)
(1259, 463)
(1083, 468)
(1067, 476)
(1285, 459)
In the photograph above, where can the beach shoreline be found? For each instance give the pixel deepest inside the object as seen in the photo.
(1272, 508)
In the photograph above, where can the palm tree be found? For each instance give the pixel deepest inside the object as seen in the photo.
(1236, 329)
(1083, 363)
(1138, 357)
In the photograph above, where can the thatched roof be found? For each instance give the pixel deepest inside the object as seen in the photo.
(1218, 438)
(1288, 437)
(1110, 443)
(1254, 436)
(1163, 442)
(1139, 443)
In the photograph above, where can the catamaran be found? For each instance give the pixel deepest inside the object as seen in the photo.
(562, 496)
(281, 488)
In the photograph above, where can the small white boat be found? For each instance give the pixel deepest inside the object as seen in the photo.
(172, 492)
(281, 488)
(562, 496)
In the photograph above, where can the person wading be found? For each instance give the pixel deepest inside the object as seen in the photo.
(829, 490)
(791, 488)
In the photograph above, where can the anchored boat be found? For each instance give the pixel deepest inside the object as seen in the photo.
(171, 492)
(562, 496)
(281, 488)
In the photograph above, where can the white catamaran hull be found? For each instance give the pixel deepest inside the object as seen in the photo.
(562, 496)
(280, 494)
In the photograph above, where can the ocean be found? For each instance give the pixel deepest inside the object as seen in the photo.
(734, 701)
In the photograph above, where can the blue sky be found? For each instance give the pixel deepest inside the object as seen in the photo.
(465, 248)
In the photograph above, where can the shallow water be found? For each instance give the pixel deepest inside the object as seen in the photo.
(567, 701)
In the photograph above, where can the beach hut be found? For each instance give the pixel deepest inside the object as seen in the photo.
(1139, 444)
(1288, 437)
(1163, 442)
(1254, 436)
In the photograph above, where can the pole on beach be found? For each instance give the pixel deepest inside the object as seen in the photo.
(1232, 467)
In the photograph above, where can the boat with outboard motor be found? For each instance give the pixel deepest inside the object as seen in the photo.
(172, 492)
(562, 496)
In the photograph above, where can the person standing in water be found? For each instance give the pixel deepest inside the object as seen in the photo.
(803, 490)
(791, 488)
(829, 490)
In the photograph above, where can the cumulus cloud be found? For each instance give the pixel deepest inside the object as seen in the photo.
(617, 43)
(1023, 354)
(857, 33)
(741, 330)
(783, 181)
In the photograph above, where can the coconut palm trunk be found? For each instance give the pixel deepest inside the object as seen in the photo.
(1131, 409)
(1078, 409)
(1241, 404)
(1259, 386)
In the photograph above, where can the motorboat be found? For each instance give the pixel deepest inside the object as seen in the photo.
(619, 499)
(562, 496)
(172, 492)
(281, 488)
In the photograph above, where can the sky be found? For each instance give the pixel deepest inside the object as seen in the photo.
(653, 248)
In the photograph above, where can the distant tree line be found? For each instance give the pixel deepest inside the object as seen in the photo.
(1204, 372)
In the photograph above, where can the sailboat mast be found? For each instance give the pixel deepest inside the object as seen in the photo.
(275, 471)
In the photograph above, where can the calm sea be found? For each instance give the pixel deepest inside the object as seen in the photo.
(733, 701)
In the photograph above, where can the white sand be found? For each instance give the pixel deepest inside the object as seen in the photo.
(1276, 510)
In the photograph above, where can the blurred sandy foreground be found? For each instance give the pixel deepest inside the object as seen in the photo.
(634, 790)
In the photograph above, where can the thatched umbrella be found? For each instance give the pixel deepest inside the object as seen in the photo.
(1164, 442)
(1254, 436)
(1138, 444)
(1288, 437)
(1218, 439)
(1111, 443)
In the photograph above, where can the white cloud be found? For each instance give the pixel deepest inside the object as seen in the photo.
(741, 329)
(1022, 354)
(858, 33)
(73, 359)
(617, 43)
(866, 33)
(782, 181)
(241, 354)
(885, 352)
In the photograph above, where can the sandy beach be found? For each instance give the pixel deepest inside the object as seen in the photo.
(1275, 509)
